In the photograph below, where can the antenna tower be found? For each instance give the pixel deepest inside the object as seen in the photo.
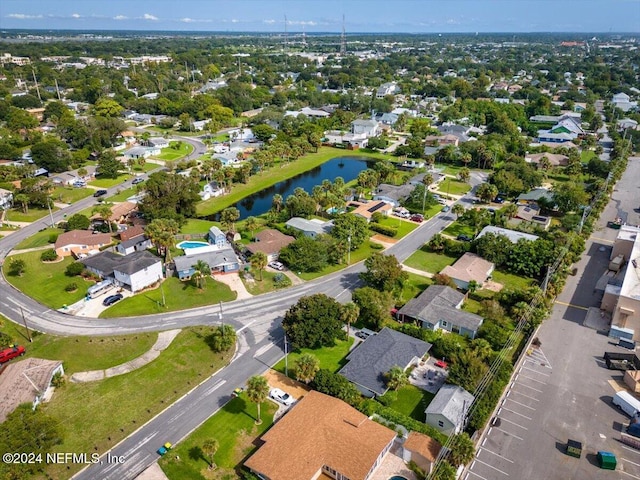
(343, 40)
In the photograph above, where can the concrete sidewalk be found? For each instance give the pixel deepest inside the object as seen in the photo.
(164, 340)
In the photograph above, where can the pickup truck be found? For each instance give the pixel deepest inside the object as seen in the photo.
(622, 361)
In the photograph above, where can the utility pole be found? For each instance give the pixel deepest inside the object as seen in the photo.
(49, 200)
(57, 89)
(220, 314)
(24, 320)
(35, 80)
(349, 250)
(286, 356)
(164, 303)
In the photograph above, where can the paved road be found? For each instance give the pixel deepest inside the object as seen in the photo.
(564, 391)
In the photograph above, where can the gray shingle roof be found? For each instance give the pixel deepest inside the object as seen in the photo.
(108, 262)
(374, 357)
(514, 236)
(438, 302)
(452, 402)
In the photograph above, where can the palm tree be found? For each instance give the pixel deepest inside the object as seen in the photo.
(457, 210)
(305, 367)
(511, 210)
(259, 262)
(104, 212)
(209, 448)
(462, 449)
(251, 223)
(464, 174)
(427, 180)
(349, 313)
(201, 270)
(161, 232)
(23, 200)
(257, 392)
(276, 202)
(396, 377)
(228, 218)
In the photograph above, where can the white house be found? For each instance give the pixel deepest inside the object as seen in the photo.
(368, 128)
(141, 152)
(136, 271)
(158, 142)
(448, 409)
(211, 189)
(6, 199)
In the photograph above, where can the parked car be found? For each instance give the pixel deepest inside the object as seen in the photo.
(498, 200)
(281, 397)
(441, 364)
(276, 266)
(464, 238)
(417, 218)
(100, 193)
(137, 180)
(362, 335)
(111, 299)
(446, 208)
(12, 352)
(164, 448)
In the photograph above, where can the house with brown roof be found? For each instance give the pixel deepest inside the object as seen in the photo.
(422, 450)
(555, 159)
(366, 210)
(26, 381)
(321, 435)
(469, 267)
(77, 242)
(131, 232)
(270, 242)
(119, 212)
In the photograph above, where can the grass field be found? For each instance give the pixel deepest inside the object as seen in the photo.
(257, 287)
(453, 187)
(457, 228)
(331, 358)
(32, 214)
(171, 154)
(178, 296)
(45, 282)
(70, 194)
(274, 175)
(109, 182)
(195, 225)
(412, 401)
(234, 428)
(39, 239)
(414, 285)
(98, 415)
(81, 353)
(512, 281)
(123, 195)
(428, 261)
(587, 155)
(403, 227)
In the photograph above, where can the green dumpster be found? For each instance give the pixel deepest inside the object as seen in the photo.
(607, 460)
(574, 448)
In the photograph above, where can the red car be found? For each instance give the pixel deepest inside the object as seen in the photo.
(441, 364)
(11, 352)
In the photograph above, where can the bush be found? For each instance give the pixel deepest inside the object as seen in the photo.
(17, 267)
(71, 287)
(73, 269)
(57, 380)
(53, 238)
(383, 229)
(388, 398)
(49, 255)
(376, 246)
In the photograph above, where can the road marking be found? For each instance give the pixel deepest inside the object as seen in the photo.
(571, 305)
(515, 391)
(513, 411)
(246, 326)
(496, 454)
(633, 463)
(535, 371)
(263, 350)
(491, 466)
(533, 379)
(474, 473)
(215, 387)
(622, 471)
(632, 450)
(514, 423)
(525, 385)
(525, 406)
(508, 433)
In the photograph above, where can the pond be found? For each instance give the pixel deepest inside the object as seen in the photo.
(260, 202)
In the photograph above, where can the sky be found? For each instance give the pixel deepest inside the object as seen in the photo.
(412, 16)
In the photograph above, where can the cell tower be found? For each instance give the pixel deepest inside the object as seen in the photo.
(343, 40)
(286, 35)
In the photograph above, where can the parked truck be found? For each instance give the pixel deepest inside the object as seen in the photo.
(622, 361)
(616, 264)
(627, 403)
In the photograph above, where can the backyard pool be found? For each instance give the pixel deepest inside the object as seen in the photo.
(191, 244)
(397, 477)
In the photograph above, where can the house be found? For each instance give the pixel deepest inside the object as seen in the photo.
(369, 362)
(567, 129)
(625, 123)
(321, 437)
(388, 119)
(131, 232)
(367, 128)
(389, 88)
(366, 210)
(217, 237)
(555, 159)
(134, 244)
(6, 199)
(512, 235)
(158, 142)
(270, 242)
(459, 131)
(211, 189)
(78, 242)
(534, 196)
(27, 381)
(134, 153)
(468, 268)
(309, 112)
(441, 140)
(311, 228)
(136, 271)
(439, 308)
(531, 214)
(623, 102)
(120, 212)
(392, 194)
(222, 260)
(422, 450)
(448, 409)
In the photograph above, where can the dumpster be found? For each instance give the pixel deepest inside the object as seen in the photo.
(574, 448)
(607, 460)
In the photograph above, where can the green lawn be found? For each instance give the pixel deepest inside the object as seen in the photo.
(453, 187)
(109, 182)
(472, 306)
(457, 228)
(171, 154)
(587, 155)
(32, 214)
(512, 281)
(363, 251)
(428, 261)
(70, 194)
(39, 239)
(274, 175)
(122, 195)
(178, 296)
(331, 358)
(257, 287)
(46, 282)
(234, 428)
(194, 226)
(97, 415)
(414, 285)
(412, 401)
(81, 353)
(403, 227)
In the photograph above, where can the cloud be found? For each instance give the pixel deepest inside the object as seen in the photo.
(23, 16)
(75, 15)
(269, 21)
(194, 20)
(148, 16)
(310, 23)
(121, 17)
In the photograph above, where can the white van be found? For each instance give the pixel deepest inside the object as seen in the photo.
(627, 403)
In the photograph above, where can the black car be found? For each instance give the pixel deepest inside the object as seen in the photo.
(100, 193)
(110, 300)
(464, 238)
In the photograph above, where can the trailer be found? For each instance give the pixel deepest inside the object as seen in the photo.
(622, 361)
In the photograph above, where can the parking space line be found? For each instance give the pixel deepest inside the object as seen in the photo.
(524, 385)
(491, 466)
(513, 411)
(535, 371)
(520, 393)
(474, 473)
(534, 380)
(632, 450)
(508, 433)
(538, 363)
(514, 423)
(622, 471)
(496, 454)
(633, 463)
(525, 406)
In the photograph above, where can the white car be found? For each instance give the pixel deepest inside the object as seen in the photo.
(276, 266)
(281, 397)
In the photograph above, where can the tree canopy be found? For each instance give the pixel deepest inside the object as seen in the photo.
(313, 322)
(170, 196)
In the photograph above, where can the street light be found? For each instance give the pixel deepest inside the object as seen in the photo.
(50, 213)
(349, 250)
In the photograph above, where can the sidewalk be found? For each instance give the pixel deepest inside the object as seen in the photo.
(416, 271)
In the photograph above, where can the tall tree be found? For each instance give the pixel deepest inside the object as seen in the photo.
(209, 448)
(161, 232)
(305, 367)
(259, 261)
(462, 449)
(251, 223)
(349, 313)
(375, 306)
(384, 272)
(457, 209)
(228, 218)
(350, 229)
(169, 196)
(104, 211)
(312, 322)
(201, 270)
(396, 377)
(257, 392)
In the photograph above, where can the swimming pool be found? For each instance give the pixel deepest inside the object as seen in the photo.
(397, 477)
(191, 244)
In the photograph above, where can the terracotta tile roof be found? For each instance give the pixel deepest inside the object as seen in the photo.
(270, 242)
(366, 210)
(423, 445)
(320, 430)
(82, 237)
(469, 267)
(131, 232)
(122, 210)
